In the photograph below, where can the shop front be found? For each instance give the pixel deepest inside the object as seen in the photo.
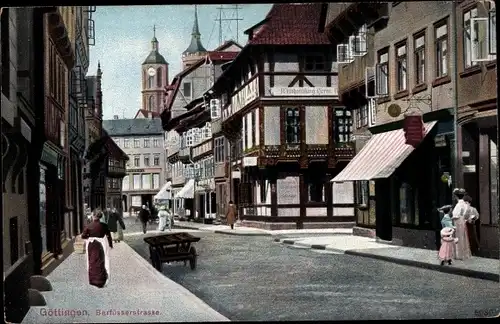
(401, 182)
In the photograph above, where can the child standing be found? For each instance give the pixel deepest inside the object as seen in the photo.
(446, 251)
(446, 221)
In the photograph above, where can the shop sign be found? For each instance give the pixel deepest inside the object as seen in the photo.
(414, 129)
(303, 91)
(245, 96)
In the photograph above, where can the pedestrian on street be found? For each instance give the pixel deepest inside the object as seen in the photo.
(144, 217)
(472, 218)
(447, 245)
(231, 214)
(163, 216)
(460, 215)
(98, 244)
(114, 220)
(446, 221)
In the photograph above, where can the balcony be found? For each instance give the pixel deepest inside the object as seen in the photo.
(352, 75)
(115, 171)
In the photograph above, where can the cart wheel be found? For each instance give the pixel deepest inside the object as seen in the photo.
(192, 260)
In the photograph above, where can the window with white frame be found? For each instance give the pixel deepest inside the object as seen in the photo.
(292, 126)
(156, 180)
(146, 142)
(372, 111)
(401, 66)
(362, 193)
(419, 55)
(137, 182)
(137, 143)
(382, 73)
(196, 134)
(359, 44)
(156, 142)
(126, 143)
(343, 125)
(188, 138)
(126, 183)
(215, 109)
(469, 46)
(137, 160)
(156, 159)
(492, 31)
(207, 131)
(362, 116)
(146, 181)
(441, 37)
(344, 54)
(146, 160)
(219, 150)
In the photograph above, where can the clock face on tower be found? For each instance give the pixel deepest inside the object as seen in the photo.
(151, 71)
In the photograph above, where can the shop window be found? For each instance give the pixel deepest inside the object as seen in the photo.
(316, 192)
(362, 193)
(343, 125)
(125, 183)
(493, 183)
(292, 125)
(408, 204)
(146, 181)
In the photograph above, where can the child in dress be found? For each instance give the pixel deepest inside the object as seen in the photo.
(447, 245)
(446, 221)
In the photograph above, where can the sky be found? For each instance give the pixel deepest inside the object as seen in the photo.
(123, 41)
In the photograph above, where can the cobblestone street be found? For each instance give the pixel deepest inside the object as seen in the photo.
(255, 279)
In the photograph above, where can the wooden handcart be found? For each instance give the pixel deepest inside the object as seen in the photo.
(172, 248)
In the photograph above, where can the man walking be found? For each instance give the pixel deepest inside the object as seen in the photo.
(144, 217)
(231, 214)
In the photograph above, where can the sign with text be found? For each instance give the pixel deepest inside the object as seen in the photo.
(303, 92)
(245, 96)
(288, 190)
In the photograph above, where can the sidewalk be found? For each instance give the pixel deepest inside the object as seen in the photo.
(475, 267)
(251, 231)
(135, 287)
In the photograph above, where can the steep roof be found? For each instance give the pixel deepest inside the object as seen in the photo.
(139, 126)
(290, 24)
(195, 46)
(221, 56)
(227, 44)
(147, 113)
(155, 57)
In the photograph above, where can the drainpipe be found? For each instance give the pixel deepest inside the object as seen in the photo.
(454, 82)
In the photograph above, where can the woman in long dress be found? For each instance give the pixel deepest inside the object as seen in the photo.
(460, 215)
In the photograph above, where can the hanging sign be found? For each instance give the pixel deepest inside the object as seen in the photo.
(414, 129)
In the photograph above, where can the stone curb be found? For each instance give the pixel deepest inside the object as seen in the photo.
(430, 266)
(221, 231)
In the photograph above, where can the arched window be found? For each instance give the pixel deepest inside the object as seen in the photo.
(151, 81)
(151, 103)
(159, 78)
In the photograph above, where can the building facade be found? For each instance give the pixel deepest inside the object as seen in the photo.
(398, 84)
(279, 108)
(477, 117)
(185, 108)
(142, 141)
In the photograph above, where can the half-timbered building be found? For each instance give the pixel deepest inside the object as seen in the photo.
(184, 98)
(278, 101)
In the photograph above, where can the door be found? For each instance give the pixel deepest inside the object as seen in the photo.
(384, 209)
(201, 205)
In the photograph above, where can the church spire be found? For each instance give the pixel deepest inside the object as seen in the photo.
(154, 41)
(195, 46)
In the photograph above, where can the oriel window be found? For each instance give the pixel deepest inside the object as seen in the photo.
(292, 125)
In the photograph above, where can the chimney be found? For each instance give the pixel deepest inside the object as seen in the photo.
(116, 117)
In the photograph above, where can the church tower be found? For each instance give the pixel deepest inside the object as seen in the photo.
(154, 78)
(195, 51)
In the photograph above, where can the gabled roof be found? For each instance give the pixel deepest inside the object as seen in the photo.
(290, 24)
(114, 149)
(147, 113)
(221, 56)
(130, 127)
(226, 45)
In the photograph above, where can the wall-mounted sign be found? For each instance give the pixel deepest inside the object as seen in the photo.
(245, 95)
(135, 170)
(414, 129)
(304, 91)
(440, 141)
(249, 161)
(288, 190)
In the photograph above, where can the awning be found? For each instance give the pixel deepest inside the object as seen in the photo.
(187, 192)
(164, 192)
(380, 157)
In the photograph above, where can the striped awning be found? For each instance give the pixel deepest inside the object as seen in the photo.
(380, 157)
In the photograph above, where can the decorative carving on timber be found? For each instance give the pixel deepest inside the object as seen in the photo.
(332, 163)
(304, 162)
